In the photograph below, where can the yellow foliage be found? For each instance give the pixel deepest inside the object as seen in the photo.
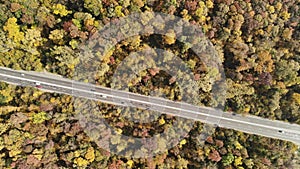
(185, 14)
(182, 142)
(285, 15)
(260, 32)
(119, 131)
(209, 4)
(237, 32)
(182, 163)
(278, 6)
(247, 109)
(73, 43)
(13, 30)
(287, 33)
(76, 154)
(61, 10)
(201, 12)
(206, 151)
(206, 27)
(91, 22)
(296, 97)
(33, 37)
(40, 117)
(90, 154)
(238, 145)
(8, 109)
(37, 94)
(106, 57)
(81, 162)
(236, 89)
(265, 63)
(162, 121)
(38, 156)
(118, 11)
(130, 163)
(57, 34)
(139, 3)
(238, 161)
(52, 100)
(3, 127)
(38, 153)
(271, 9)
(14, 152)
(170, 37)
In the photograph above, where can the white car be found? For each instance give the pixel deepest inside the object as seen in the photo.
(38, 85)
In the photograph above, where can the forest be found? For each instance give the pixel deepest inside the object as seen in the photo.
(257, 43)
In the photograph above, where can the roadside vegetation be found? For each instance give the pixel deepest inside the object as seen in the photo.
(257, 41)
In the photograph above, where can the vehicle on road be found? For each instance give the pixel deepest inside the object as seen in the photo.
(38, 85)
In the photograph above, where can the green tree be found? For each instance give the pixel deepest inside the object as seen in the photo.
(228, 159)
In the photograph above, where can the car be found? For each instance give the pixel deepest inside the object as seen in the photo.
(280, 131)
(102, 96)
(38, 85)
(22, 74)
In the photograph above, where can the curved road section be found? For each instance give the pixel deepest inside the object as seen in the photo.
(248, 124)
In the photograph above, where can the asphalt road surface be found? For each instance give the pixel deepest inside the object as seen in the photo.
(248, 124)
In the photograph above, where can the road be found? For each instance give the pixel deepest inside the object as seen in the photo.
(248, 124)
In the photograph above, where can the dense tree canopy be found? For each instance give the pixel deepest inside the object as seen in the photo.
(257, 42)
